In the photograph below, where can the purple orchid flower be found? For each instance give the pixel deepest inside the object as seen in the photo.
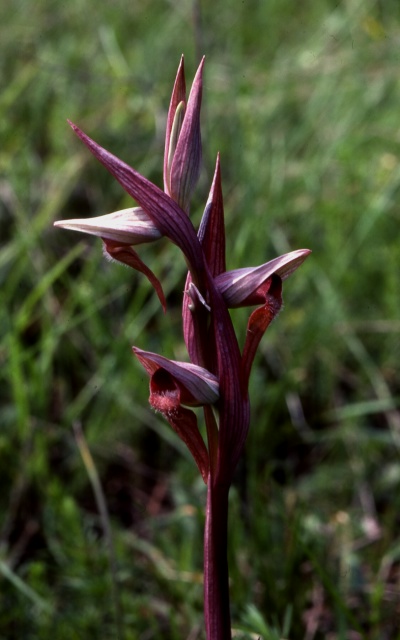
(217, 376)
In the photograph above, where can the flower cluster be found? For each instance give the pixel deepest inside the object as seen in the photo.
(217, 376)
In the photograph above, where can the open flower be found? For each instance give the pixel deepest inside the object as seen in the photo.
(173, 384)
(198, 386)
(128, 226)
(160, 214)
(119, 231)
(245, 287)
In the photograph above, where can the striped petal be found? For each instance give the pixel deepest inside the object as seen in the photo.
(244, 287)
(174, 384)
(198, 386)
(128, 226)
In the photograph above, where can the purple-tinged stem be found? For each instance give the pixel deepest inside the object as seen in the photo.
(216, 577)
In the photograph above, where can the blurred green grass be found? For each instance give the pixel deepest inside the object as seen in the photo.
(302, 102)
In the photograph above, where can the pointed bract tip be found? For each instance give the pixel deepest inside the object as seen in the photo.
(181, 67)
(217, 170)
(200, 67)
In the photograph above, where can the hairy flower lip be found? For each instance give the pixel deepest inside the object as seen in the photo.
(167, 396)
(128, 226)
(201, 385)
(240, 285)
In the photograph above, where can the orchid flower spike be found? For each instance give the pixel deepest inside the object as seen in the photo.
(217, 377)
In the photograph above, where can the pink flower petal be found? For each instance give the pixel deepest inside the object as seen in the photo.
(198, 385)
(239, 287)
(128, 226)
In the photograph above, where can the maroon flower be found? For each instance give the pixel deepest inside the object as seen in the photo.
(217, 376)
(174, 384)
